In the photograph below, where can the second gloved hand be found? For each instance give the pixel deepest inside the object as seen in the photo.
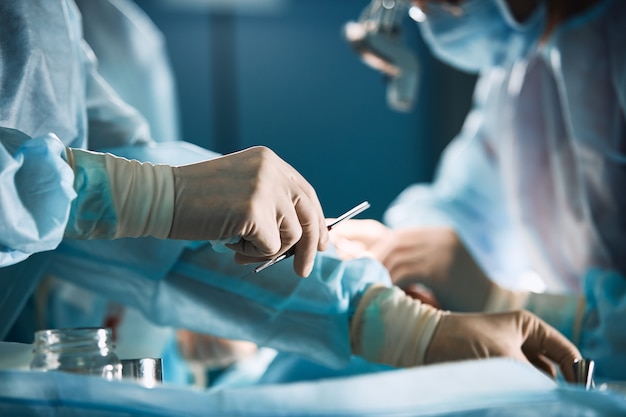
(391, 328)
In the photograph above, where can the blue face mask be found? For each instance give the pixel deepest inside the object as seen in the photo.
(480, 34)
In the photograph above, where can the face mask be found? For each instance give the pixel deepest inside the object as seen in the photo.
(480, 34)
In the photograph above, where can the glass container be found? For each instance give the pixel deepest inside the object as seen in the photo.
(87, 350)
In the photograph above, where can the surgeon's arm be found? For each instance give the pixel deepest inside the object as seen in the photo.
(436, 258)
(252, 198)
(343, 308)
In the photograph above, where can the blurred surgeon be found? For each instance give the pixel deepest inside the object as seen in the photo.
(69, 212)
(526, 210)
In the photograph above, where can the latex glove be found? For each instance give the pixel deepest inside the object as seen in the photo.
(432, 256)
(211, 351)
(252, 195)
(517, 334)
(390, 327)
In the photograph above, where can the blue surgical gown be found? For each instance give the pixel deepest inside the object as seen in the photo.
(52, 97)
(535, 179)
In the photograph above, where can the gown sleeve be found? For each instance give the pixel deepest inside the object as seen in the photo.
(52, 97)
(36, 193)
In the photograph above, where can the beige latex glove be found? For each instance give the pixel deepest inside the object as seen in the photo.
(211, 351)
(517, 334)
(390, 327)
(432, 256)
(251, 196)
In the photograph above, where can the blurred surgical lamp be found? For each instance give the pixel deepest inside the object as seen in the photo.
(377, 38)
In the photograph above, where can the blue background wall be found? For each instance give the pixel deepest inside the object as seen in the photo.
(288, 80)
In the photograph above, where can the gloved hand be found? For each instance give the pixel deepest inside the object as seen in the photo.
(391, 328)
(255, 195)
(252, 195)
(434, 257)
(211, 351)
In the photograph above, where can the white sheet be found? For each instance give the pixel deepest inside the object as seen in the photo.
(496, 387)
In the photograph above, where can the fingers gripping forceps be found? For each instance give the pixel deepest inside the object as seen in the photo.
(347, 215)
